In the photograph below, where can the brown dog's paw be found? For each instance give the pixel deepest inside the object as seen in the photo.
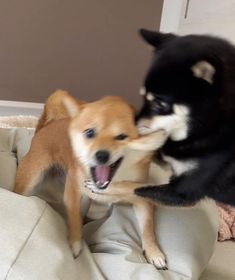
(157, 258)
(76, 248)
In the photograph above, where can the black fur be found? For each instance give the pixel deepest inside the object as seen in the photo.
(210, 141)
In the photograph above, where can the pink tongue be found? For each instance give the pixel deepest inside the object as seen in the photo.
(102, 173)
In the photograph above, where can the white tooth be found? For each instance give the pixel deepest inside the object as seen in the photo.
(104, 184)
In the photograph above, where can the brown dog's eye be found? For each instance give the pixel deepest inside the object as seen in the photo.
(89, 133)
(121, 136)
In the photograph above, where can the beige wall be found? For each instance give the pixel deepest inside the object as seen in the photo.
(89, 47)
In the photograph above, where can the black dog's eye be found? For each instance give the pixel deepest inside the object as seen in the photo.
(121, 136)
(89, 133)
(161, 107)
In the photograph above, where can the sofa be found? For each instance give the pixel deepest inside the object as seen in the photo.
(33, 231)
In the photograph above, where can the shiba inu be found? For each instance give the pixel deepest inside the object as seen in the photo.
(189, 91)
(98, 147)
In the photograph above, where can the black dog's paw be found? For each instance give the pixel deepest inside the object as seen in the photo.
(147, 191)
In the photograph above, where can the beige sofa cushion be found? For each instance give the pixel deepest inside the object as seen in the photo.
(14, 143)
(34, 245)
(33, 237)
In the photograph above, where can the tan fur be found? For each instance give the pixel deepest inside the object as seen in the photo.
(60, 140)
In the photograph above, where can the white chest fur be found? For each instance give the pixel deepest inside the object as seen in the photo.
(179, 166)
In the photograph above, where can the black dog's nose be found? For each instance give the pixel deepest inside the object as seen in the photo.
(102, 156)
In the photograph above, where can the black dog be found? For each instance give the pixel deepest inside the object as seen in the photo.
(190, 91)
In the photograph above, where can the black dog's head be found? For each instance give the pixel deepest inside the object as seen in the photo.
(190, 86)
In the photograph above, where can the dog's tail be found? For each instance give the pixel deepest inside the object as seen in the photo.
(55, 108)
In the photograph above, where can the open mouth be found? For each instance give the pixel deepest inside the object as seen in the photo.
(103, 174)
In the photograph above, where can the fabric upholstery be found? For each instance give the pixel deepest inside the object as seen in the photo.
(33, 236)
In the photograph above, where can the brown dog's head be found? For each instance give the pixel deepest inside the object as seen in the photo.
(99, 133)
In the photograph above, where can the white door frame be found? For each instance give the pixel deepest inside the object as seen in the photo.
(171, 15)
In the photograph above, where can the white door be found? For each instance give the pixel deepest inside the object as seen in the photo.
(215, 17)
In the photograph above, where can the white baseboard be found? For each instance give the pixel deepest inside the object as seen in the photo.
(13, 108)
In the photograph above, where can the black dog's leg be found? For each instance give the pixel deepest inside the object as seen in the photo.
(223, 190)
(165, 194)
(188, 189)
(179, 192)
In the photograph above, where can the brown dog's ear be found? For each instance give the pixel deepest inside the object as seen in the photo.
(156, 39)
(56, 109)
(149, 142)
(72, 106)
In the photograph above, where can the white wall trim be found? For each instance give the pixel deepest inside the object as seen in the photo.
(13, 108)
(171, 15)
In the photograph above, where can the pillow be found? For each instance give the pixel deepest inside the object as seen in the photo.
(33, 240)
(14, 143)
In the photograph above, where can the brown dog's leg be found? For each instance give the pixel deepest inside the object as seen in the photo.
(72, 199)
(145, 216)
(118, 191)
(30, 172)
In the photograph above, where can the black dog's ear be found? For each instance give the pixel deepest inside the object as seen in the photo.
(156, 39)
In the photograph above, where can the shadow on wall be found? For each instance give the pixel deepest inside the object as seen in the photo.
(90, 48)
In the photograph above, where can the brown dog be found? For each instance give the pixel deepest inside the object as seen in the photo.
(98, 142)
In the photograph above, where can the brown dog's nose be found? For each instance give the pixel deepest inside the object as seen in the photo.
(102, 156)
